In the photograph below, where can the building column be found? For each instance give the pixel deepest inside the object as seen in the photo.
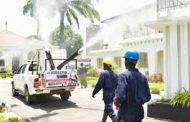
(171, 60)
(152, 60)
(185, 61)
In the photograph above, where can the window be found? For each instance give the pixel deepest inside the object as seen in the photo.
(100, 63)
(24, 67)
(117, 61)
(19, 70)
(33, 67)
(2, 63)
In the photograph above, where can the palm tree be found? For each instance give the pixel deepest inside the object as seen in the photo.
(29, 8)
(69, 9)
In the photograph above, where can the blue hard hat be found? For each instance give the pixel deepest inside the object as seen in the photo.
(132, 54)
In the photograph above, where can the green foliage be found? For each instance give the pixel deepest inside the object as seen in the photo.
(29, 8)
(73, 41)
(181, 98)
(117, 69)
(84, 8)
(74, 7)
(12, 119)
(7, 74)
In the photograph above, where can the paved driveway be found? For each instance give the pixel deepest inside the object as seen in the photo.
(81, 107)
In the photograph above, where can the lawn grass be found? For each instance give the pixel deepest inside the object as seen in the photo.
(92, 80)
(156, 86)
(153, 86)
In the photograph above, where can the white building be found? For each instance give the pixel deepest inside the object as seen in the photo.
(173, 18)
(16, 50)
(128, 31)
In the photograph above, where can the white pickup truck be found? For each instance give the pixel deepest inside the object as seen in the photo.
(30, 83)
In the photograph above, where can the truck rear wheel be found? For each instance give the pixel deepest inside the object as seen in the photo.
(65, 96)
(14, 92)
(29, 98)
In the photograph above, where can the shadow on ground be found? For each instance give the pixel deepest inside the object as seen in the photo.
(50, 103)
(33, 119)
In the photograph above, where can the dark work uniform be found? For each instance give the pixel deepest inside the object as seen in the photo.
(132, 92)
(108, 82)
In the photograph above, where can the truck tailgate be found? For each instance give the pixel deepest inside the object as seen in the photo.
(60, 83)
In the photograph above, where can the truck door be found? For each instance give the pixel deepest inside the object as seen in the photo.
(22, 77)
(17, 77)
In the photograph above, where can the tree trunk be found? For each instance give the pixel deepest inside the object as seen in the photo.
(62, 46)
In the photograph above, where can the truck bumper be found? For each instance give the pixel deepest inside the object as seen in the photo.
(39, 91)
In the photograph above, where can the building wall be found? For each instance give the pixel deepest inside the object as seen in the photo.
(149, 45)
(95, 56)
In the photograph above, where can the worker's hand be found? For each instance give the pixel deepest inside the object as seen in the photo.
(115, 101)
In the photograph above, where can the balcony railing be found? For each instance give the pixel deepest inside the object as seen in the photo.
(139, 33)
(171, 4)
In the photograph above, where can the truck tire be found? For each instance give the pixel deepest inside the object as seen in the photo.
(65, 96)
(14, 92)
(29, 98)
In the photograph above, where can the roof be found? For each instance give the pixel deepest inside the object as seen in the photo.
(105, 50)
(11, 40)
(143, 38)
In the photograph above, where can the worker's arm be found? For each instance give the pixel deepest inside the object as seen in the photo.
(147, 90)
(99, 85)
(120, 92)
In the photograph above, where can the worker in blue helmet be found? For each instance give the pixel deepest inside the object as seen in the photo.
(132, 90)
(108, 82)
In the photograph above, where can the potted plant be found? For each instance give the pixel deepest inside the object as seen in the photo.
(177, 109)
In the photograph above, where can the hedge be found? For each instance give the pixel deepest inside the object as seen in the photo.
(4, 75)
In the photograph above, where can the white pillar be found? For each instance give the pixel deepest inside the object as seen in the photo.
(171, 60)
(166, 64)
(185, 62)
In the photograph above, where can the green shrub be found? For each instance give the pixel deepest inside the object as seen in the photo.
(117, 69)
(181, 98)
(7, 74)
(93, 72)
(157, 77)
(12, 119)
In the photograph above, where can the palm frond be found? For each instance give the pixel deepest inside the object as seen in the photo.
(69, 18)
(28, 7)
(74, 15)
(86, 9)
(79, 9)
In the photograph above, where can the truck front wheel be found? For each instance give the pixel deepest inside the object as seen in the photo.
(65, 96)
(14, 92)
